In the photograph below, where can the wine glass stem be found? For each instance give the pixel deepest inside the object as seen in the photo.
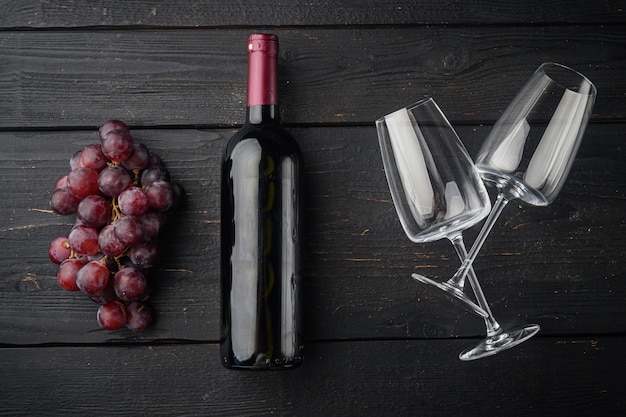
(466, 268)
(458, 281)
(493, 327)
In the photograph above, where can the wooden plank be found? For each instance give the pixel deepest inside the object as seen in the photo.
(560, 266)
(36, 14)
(197, 77)
(576, 376)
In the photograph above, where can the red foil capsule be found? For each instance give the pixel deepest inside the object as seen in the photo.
(262, 69)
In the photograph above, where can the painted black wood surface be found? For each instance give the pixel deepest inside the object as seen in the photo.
(377, 343)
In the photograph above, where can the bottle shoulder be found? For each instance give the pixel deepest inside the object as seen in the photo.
(270, 137)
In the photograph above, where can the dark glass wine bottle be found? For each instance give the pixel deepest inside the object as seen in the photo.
(260, 228)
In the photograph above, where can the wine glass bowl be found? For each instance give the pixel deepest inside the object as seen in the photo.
(531, 148)
(436, 189)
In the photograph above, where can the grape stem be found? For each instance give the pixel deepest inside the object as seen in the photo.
(115, 210)
(120, 256)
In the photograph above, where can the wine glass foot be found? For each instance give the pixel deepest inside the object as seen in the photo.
(502, 341)
(459, 295)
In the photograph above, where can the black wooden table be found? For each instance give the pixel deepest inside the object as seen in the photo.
(377, 343)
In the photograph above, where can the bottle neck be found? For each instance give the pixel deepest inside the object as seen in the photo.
(262, 113)
(262, 78)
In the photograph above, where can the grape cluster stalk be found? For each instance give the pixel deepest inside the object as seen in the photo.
(120, 193)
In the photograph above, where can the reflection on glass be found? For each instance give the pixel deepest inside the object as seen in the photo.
(436, 188)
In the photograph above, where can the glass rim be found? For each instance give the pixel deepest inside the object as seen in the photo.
(583, 77)
(409, 107)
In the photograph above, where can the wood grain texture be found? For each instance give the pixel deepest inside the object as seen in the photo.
(377, 343)
(399, 378)
(328, 76)
(561, 266)
(205, 13)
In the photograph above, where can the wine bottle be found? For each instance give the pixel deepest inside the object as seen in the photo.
(261, 228)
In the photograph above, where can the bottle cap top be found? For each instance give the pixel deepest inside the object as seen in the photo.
(264, 42)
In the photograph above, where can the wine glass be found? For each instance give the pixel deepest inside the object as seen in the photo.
(436, 189)
(527, 156)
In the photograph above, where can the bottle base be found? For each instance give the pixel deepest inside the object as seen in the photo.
(262, 365)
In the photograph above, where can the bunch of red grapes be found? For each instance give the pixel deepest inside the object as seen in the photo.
(120, 192)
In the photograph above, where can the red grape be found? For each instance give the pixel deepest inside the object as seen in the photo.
(133, 201)
(144, 254)
(66, 275)
(113, 180)
(127, 229)
(152, 174)
(105, 295)
(130, 284)
(155, 161)
(139, 159)
(83, 182)
(92, 157)
(61, 183)
(92, 278)
(161, 195)
(84, 240)
(117, 145)
(59, 250)
(139, 316)
(109, 244)
(75, 160)
(112, 315)
(63, 202)
(94, 211)
(151, 223)
(110, 126)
